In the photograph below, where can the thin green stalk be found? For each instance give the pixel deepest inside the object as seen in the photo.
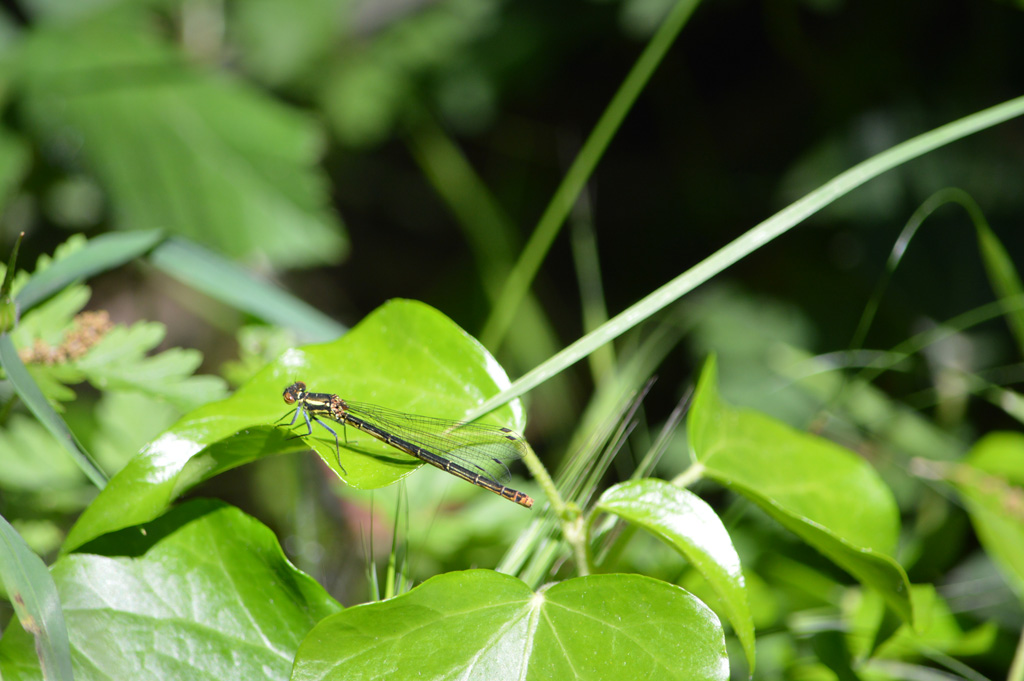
(489, 231)
(551, 221)
(32, 396)
(1017, 667)
(575, 533)
(691, 475)
(543, 478)
(758, 236)
(1001, 271)
(588, 276)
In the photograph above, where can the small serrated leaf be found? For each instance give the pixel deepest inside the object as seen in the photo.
(223, 153)
(119, 362)
(49, 321)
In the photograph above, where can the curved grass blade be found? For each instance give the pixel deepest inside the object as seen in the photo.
(519, 280)
(33, 398)
(103, 253)
(755, 238)
(225, 281)
(8, 307)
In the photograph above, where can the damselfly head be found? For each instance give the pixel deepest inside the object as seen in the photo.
(294, 392)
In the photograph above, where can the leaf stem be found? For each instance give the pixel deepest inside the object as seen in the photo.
(691, 475)
(1017, 666)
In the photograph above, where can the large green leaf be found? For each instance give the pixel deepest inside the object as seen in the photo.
(177, 148)
(990, 485)
(488, 626)
(203, 593)
(825, 494)
(405, 355)
(690, 526)
(31, 590)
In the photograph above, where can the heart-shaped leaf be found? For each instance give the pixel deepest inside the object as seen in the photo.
(405, 355)
(204, 593)
(484, 625)
(690, 526)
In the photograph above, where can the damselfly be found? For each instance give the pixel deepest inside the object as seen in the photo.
(477, 453)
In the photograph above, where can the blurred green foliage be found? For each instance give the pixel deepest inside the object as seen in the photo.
(356, 151)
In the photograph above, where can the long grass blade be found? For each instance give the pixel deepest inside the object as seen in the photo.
(579, 172)
(755, 238)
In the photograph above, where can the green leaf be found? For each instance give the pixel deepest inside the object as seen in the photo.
(30, 587)
(203, 592)
(825, 494)
(405, 355)
(939, 629)
(485, 625)
(1000, 454)
(176, 147)
(49, 321)
(990, 484)
(119, 362)
(687, 524)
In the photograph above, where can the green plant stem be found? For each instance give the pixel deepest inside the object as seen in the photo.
(543, 478)
(8, 307)
(1017, 666)
(575, 533)
(582, 168)
(691, 475)
(568, 514)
